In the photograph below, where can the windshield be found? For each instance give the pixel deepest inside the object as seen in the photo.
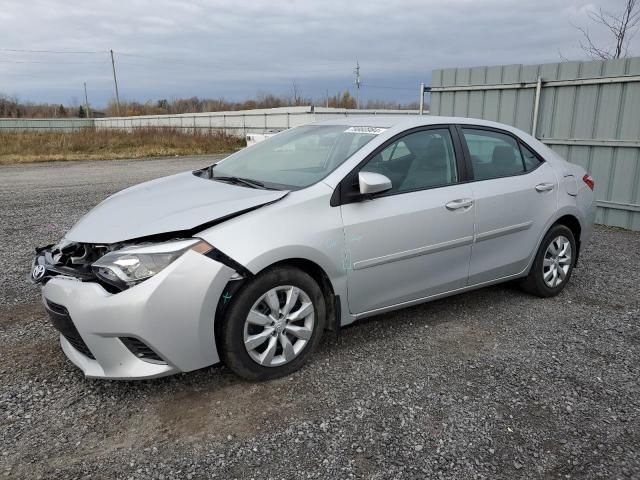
(298, 157)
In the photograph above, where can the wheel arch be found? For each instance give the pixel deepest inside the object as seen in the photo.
(573, 224)
(570, 218)
(331, 294)
(322, 279)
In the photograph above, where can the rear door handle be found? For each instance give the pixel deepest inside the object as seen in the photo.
(459, 203)
(544, 187)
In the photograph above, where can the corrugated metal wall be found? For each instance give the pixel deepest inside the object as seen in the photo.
(243, 121)
(44, 124)
(233, 122)
(589, 112)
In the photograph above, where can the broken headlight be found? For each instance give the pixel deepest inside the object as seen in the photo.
(129, 266)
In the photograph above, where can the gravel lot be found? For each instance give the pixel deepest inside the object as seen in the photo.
(489, 384)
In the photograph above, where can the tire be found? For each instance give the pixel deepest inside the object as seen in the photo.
(259, 359)
(541, 280)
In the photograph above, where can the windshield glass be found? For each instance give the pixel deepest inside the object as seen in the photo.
(298, 157)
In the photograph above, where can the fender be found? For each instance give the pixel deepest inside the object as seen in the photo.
(299, 226)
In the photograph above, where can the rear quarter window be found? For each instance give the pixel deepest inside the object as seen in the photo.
(531, 160)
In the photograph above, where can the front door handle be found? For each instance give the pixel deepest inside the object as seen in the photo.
(459, 203)
(544, 187)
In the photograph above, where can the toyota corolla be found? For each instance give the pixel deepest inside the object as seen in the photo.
(248, 261)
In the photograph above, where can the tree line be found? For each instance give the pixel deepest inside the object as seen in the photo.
(13, 108)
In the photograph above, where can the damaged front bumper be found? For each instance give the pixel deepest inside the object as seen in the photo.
(158, 327)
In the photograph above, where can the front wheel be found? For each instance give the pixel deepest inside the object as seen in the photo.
(273, 325)
(553, 264)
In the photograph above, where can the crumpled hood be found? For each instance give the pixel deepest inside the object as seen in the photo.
(178, 202)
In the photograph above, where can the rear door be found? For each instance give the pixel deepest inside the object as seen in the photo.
(413, 241)
(515, 194)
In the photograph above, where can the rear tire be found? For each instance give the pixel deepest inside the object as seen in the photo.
(273, 324)
(554, 263)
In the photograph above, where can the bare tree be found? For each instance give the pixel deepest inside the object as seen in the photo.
(297, 96)
(622, 25)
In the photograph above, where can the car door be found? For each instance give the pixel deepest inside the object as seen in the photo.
(515, 194)
(412, 241)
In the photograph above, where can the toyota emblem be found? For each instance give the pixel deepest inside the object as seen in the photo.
(38, 272)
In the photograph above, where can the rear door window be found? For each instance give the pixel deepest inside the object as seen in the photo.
(493, 154)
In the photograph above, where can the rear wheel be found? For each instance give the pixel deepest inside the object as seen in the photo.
(553, 264)
(273, 324)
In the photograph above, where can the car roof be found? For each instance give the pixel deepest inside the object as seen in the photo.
(408, 121)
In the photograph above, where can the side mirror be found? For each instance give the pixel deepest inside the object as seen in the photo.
(371, 183)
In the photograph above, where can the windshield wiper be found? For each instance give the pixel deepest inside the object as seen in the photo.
(241, 181)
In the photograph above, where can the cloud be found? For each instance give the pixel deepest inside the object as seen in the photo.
(167, 48)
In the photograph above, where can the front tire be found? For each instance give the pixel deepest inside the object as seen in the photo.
(273, 325)
(553, 264)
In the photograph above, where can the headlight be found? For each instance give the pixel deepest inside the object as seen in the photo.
(131, 265)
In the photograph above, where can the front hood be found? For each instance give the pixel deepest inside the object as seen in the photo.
(170, 204)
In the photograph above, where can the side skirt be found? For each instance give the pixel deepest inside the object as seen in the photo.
(437, 296)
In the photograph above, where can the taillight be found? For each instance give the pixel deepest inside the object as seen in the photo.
(589, 181)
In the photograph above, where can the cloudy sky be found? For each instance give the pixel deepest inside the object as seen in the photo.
(236, 50)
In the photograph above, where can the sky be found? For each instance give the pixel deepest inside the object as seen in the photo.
(238, 50)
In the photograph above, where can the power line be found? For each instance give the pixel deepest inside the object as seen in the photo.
(167, 60)
(51, 63)
(316, 67)
(225, 66)
(386, 87)
(53, 51)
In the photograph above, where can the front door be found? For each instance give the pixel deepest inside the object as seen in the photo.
(413, 241)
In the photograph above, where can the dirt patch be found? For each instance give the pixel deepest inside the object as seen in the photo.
(462, 340)
(230, 408)
(23, 313)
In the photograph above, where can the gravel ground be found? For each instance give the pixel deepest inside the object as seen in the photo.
(488, 384)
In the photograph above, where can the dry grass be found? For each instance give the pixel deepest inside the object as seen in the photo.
(93, 144)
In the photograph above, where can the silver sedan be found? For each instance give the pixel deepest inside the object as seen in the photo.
(248, 261)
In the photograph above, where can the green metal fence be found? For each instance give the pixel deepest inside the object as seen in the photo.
(589, 112)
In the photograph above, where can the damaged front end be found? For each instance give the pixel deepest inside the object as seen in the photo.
(72, 260)
(115, 267)
(140, 309)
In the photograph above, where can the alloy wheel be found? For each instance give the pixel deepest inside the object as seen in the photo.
(557, 261)
(279, 325)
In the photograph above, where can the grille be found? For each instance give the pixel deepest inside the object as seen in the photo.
(62, 322)
(141, 350)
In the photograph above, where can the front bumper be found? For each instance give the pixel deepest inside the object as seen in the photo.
(172, 313)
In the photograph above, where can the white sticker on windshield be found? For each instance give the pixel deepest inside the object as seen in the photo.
(369, 130)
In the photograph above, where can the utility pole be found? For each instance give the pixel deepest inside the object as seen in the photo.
(115, 81)
(327, 99)
(86, 101)
(357, 72)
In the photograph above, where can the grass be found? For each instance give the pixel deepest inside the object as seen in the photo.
(107, 144)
